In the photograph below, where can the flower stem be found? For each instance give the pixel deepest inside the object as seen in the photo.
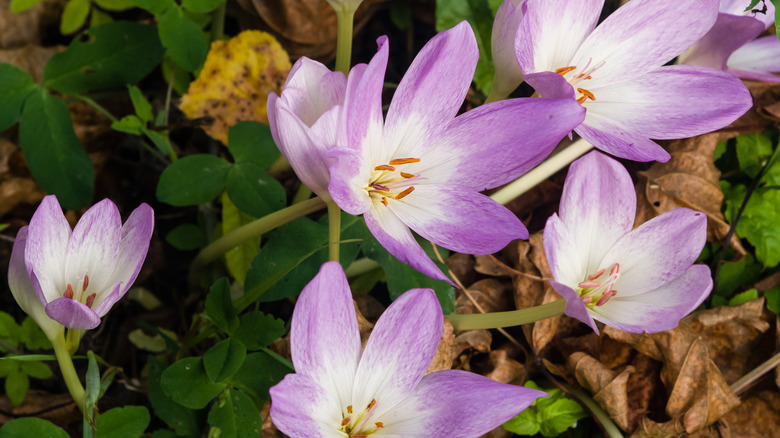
(218, 22)
(360, 266)
(65, 362)
(251, 230)
(541, 172)
(345, 17)
(610, 429)
(506, 319)
(334, 231)
(495, 94)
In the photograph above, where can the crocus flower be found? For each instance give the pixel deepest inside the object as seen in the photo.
(731, 44)
(337, 391)
(616, 71)
(423, 168)
(633, 280)
(502, 45)
(304, 120)
(77, 275)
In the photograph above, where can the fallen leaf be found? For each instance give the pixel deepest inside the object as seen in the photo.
(442, 360)
(608, 387)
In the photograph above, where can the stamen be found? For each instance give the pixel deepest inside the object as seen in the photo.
(68, 292)
(385, 167)
(379, 424)
(615, 269)
(581, 100)
(604, 298)
(86, 283)
(587, 284)
(587, 300)
(407, 175)
(90, 300)
(563, 70)
(404, 193)
(384, 201)
(349, 409)
(371, 405)
(381, 188)
(398, 161)
(597, 274)
(586, 93)
(345, 421)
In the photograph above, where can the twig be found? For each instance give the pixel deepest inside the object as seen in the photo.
(748, 379)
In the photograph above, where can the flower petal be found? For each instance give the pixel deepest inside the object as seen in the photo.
(575, 307)
(431, 92)
(643, 35)
(657, 252)
(659, 309)
(737, 7)
(396, 238)
(300, 408)
(457, 219)
(72, 314)
(317, 89)
(45, 251)
(611, 137)
(457, 404)
(496, 143)
(508, 18)
(399, 350)
(758, 60)
(324, 337)
(729, 33)
(567, 264)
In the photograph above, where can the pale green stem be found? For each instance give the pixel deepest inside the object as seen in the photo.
(218, 22)
(609, 427)
(495, 94)
(251, 230)
(302, 194)
(360, 266)
(541, 172)
(65, 362)
(745, 382)
(492, 320)
(334, 231)
(345, 17)
(73, 339)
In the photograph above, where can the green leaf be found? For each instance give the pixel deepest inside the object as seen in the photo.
(744, 297)
(156, 7)
(235, 415)
(550, 416)
(224, 359)
(759, 221)
(110, 55)
(53, 152)
(773, 300)
(258, 330)
(115, 5)
(259, 373)
(31, 427)
(129, 124)
(524, 423)
(253, 191)
(219, 306)
(74, 15)
(22, 5)
(251, 142)
(16, 385)
(187, 384)
(163, 433)
(124, 422)
(193, 180)
(238, 259)
(201, 6)
(142, 106)
(98, 18)
(15, 85)
(477, 12)
(33, 337)
(35, 369)
(93, 381)
(187, 237)
(183, 38)
(160, 140)
(752, 151)
(184, 421)
(734, 275)
(10, 331)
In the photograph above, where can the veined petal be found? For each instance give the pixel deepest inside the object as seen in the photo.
(611, 137)
(321, 90)
(45, 251)
(300, 408)
(431, 91)
(550, 85)
(136, 235)
(502, 45)
(399, 350)
(758, 59)
(350, 177)
(729, 33)
(551, 32)
(496, 143)
(457, 404)
(72, 314)
(93, 248)
(643, 35)
(22, 288)
(396, 238)
(567, 264)
(598, 206)
(575, 307)
(457, 219)
(324, 337)
(657, 252)
(659, 309)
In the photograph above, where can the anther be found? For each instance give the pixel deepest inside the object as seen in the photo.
(381, 188)
(586, 93)
(615, 269)
(597, 274)
(345, 421)
(587, 300)
(86, 283)
(581, 100)
(604, 298)
(404, 193)
(379, 424)
(371, 405)
(587, 284)
(349, 409)
(90, 300)
(398, 161)
(384, 201)
(407, 175)
(68, 292)
(563, 70)
(385, 167)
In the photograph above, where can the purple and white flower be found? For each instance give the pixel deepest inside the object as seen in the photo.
(508, 75)
(616, 71)
(77, 275)
(423, 168)
(634, 280)
(337, 391)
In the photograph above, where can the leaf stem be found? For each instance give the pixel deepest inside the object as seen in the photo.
(65, 362)
(506, 319)
(334, 230)
(610, 429)
(218, 22)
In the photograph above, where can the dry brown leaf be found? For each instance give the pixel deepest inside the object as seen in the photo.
(608, 387)
(489, 293)
(57, 408)
(26, 27)
(443, 358)
(16, 185)
(505, 369)
(468, 344)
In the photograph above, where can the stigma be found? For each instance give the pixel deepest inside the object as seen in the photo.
(388, 181)
(599, 287)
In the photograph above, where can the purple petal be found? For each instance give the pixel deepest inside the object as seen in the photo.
(72, 314)
(502, 45)
(550, 85)
(45, 251)
(300, 408)
(729, 33)
(757, 59)
(551, 32)
(643, 35)
(457, 219)
(575, 307)
(312, 89)
(567, 264)
(399, 350)
(659, 309)
(457, 404)
(324, 337)
(657, 252)
(737, 7)
(396, 238)
(431, 92)
(611, 137)
(496, 143)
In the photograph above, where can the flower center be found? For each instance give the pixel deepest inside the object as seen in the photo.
(85, 298)
(574, 76)
(358, 425)
(388, 181)
(597, 289)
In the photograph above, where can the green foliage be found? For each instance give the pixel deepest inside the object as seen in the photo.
(141, 106)
(124, 422)
(201, 6)
(187, 383)
(156, 7)
(74, 15)
(224, 359)
(239, 259)
(235, 415)
(185, 41)
(773, 300)
(550, 416)
(187, 237)
(186, 422)
(259, 373)
(22, 5)
(759, 223)
(192, 180)
(735, 274)
(478, 14)
(15, 86)
(31, 427)
(743, 297)
(219, 306)
(253, 191)
(251, 142)
(17, 370)
(258, 330)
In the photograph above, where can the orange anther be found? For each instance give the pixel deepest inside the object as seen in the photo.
(615, 269)
(398, 161)
(384, 201)
(563, 70)
(345, 421)
(404, 193)
(385, 167)
(349, 409)
(379, 424)
(371, 405)
(581, 100)
(407, 175)
(586, 93)
(68, 292)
